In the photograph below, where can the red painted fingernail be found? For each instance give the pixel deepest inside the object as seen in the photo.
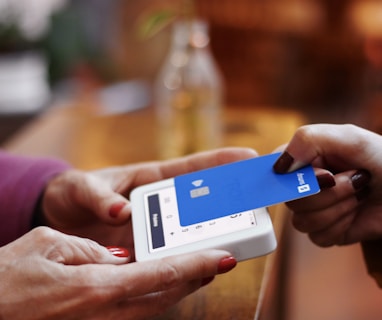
(226, 264)
(118, 251)
(116, 208)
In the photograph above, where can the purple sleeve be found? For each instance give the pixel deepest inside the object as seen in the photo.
(22, 181)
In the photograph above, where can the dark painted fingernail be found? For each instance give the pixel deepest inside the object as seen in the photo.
(326, 180)
(283, 163)
(118, 251)
(206, 281)
(116, 208)
(360, 179)
(226, 264)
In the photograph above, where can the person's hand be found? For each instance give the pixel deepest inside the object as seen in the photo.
(46, 274)
(95, 204)
(349, 207)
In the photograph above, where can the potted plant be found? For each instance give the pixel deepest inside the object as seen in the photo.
(188, 90)
(155, 19)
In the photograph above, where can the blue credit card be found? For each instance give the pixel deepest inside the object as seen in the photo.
(240, 186)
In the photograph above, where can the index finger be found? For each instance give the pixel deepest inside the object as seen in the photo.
(112, 282)
(203, 160)
(158, 170)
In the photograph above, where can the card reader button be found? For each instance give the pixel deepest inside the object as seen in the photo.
(156, 222)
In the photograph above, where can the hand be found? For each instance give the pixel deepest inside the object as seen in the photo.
(349, 207)
(94, 204)
(49, 275)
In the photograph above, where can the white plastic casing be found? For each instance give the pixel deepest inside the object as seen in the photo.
(246, 243)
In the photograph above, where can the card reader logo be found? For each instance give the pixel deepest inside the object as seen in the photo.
(199, 191)
(303, 186)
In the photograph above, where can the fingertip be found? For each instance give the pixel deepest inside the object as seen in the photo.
(250, 151)
(287, 163)
(230, 154)
(283, 163)
(118, 251)
(360, 179)
(120, 255)
(118, 211)
(326, 180)
(226, 264)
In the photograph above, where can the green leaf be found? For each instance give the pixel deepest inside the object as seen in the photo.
(153, 23)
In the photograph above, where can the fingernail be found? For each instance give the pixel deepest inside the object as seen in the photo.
(360, 179)
(283, 163)
(226, 264)
(206, 281)
(116, 208)
(326, 180)
(118, 251)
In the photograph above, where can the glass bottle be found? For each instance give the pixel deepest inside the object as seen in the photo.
(188, 93)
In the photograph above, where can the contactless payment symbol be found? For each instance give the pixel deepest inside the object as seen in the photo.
(197, 183)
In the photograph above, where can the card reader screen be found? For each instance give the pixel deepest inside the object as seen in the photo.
(165, 230)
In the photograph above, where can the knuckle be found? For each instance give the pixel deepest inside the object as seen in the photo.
(169, 275)
(75, 179)
(304, 131)
(44, 234)
(49, 242)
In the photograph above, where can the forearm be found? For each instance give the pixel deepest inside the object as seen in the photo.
(22, 181)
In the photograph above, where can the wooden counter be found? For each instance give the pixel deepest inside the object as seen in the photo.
(79, 135)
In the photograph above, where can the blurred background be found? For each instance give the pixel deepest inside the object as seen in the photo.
(322, 58)
(316, 55)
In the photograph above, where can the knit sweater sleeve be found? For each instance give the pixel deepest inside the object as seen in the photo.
(22, 181)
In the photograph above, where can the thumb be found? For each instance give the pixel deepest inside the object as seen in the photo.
(328, 146)
(72, 250)
(97, 196)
